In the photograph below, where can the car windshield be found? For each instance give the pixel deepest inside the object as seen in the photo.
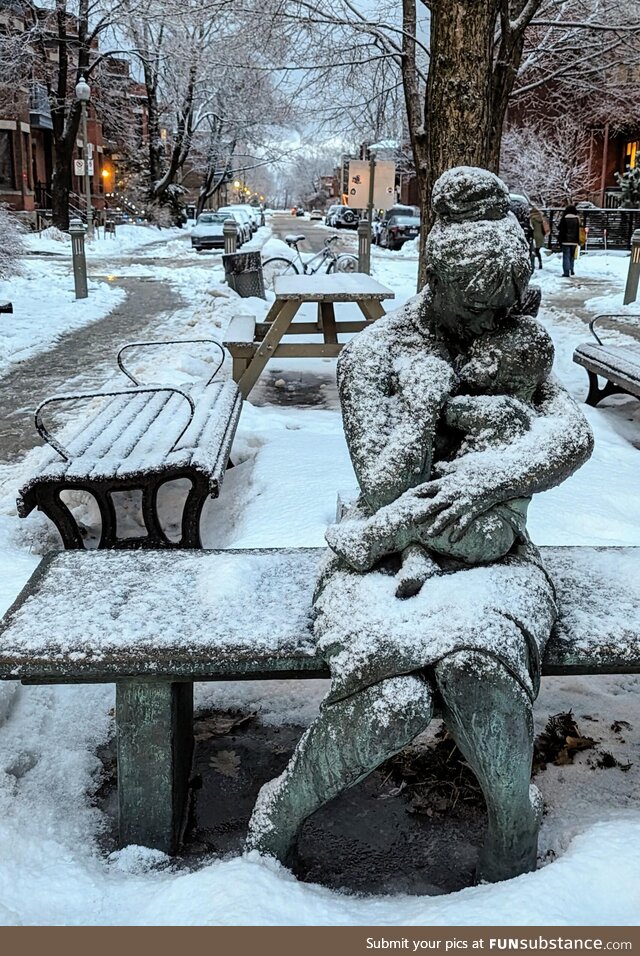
(405, 221)
(211, 217)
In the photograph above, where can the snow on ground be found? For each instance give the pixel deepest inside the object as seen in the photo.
(45, 307)
(290, 463)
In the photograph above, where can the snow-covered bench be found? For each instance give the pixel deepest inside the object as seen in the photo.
(6, 307)
(619, 365)
(137, 439)
(168, 619)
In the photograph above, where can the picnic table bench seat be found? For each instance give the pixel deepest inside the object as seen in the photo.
(136, 439)
(169, 619)
(619, 365)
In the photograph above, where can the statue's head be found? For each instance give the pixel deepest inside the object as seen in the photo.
(478, 260)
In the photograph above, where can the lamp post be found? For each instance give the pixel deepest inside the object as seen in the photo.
(83, 94)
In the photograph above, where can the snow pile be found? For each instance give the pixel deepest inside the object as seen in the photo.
(45, 307)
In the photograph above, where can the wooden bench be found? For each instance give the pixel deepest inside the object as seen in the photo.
(137, 439)
(619, 365)
(169, 619)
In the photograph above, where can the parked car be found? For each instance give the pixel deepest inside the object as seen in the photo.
(396, 229)
(252, 212)
(331, 211)
(208, 231)
(241, 218)
(344, 218)
(315, 214)
(299, 212)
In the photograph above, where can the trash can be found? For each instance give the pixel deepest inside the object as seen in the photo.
(631, 290)
(243, 272)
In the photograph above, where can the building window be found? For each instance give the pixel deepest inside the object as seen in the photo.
(631, 153)
(7, 168)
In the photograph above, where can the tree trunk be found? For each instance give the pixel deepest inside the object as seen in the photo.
(458, 105)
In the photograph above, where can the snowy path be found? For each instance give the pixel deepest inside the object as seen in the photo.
(77, 360)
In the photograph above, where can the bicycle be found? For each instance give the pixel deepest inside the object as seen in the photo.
(279, 266)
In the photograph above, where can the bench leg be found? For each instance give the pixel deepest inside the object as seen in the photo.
(597, 394)
(51, 504)
(155, 747)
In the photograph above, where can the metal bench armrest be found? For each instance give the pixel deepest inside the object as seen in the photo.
(604, 315)
(133, 345)
(63, 452)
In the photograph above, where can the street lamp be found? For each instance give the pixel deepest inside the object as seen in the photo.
(83, 95)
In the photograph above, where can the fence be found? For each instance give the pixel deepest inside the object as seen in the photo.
(618, 224)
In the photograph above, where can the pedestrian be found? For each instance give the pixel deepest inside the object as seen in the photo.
(569, 238)
(540, 227)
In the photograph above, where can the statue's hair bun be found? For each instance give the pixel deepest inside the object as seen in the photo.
(469, 194)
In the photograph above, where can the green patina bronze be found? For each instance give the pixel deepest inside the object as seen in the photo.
(453, 422)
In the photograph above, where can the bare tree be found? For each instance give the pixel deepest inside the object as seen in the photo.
(461, 63)
(548, 162)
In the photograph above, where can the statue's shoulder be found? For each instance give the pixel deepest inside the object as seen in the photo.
(398, 333)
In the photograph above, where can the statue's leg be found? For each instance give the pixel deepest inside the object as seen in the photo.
(348, 740)
(490, 717)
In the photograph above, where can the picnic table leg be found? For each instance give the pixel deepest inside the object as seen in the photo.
(329, 323)
(154, 722)
(371, 309)
(268, 346)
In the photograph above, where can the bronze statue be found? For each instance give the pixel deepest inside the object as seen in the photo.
(433, 589)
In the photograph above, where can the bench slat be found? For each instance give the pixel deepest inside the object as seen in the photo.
(134, 433)
(215, 615)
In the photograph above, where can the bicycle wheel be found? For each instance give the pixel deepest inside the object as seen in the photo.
(344, 263)
(271, 268)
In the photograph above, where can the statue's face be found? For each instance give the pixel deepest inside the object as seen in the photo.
(468, 304)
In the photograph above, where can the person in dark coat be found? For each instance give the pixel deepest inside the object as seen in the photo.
(569, 238)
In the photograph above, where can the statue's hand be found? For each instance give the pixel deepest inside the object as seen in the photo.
(452, 502)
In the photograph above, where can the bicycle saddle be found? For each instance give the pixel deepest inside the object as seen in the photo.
(291, 240)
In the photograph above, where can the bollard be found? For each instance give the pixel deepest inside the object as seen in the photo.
(230, 233)
(364, 246)
(77, 232)
(631, 290)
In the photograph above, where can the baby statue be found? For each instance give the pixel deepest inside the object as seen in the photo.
(502, 371)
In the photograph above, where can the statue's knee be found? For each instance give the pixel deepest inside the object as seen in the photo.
(467, 675)
(404, 703)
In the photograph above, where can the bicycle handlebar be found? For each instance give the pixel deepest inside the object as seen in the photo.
(329, 240)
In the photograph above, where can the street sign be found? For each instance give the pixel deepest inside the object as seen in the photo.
(90, 149)
(90, 167)
(78, 167)
(384, 191)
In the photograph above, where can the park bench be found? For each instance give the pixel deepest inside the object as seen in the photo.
(169, 619)
(619, 365)
(137, 439)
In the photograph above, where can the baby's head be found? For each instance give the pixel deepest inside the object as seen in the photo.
(513, 360)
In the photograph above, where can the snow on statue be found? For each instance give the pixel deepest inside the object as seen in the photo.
(433, 589)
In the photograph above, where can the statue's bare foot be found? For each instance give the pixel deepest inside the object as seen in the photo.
(271, 831)
(417, 567)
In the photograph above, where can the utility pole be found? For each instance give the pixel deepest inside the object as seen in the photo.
(83, 93)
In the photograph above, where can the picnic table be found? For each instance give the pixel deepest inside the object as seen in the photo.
(253, 343)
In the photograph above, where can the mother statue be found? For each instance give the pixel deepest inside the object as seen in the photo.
(433, 594)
